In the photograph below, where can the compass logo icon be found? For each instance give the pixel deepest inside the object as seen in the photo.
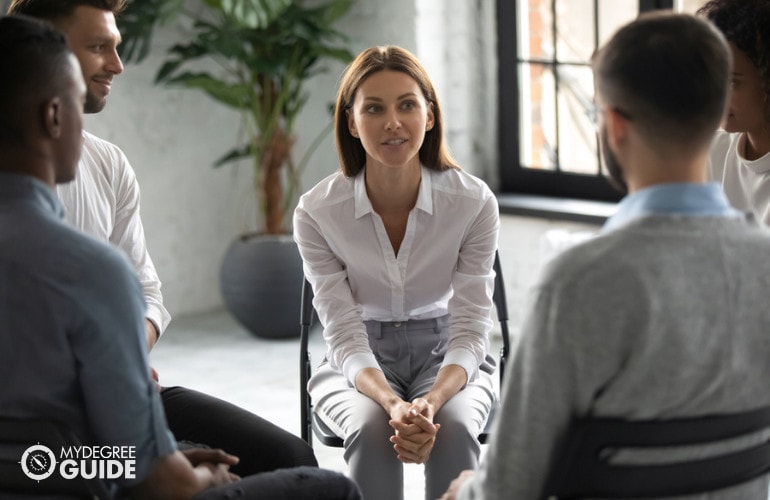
(38, 462)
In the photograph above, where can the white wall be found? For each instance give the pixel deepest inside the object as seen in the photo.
(191, 211)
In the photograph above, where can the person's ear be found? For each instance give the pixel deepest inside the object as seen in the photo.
(52, 119)
(431, 121)
(617, 129)
(351, 124)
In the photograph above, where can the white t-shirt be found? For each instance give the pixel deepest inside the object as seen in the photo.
(746, 183)
(103, 201)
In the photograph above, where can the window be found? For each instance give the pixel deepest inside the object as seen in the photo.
(548, 145)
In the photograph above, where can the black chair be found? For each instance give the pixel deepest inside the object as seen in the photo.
(310, 421)
(17, 436)
(583, 469)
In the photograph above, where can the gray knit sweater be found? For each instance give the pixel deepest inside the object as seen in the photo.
(664, 317)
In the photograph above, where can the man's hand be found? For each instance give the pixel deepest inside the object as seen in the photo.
(454, 486)
(154, 377)
(197, 456)
(216, 461)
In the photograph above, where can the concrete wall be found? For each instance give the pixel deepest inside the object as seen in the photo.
(191, 211)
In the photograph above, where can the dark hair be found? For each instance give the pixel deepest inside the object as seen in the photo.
(55, 10)
(669, 73)
(433, 153)
(745, 23)
(33, 58)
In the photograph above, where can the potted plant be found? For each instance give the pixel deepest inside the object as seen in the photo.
(266, 51)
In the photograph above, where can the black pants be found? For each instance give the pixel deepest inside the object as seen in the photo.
(260, 445)
(301, 483)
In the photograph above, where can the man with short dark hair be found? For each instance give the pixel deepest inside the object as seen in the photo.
(103, 201)
(72, 343)
(72, 309)
(657, 317)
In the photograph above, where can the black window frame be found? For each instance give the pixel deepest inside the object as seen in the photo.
(514, 178)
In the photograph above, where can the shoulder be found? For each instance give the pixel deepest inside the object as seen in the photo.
(106, 161)
(99, 146)
(721, 144)
(75, 260)
(106, 155)
(596, 264)
(97, 259)
(459, 192)
(459, 182)
(332, 190)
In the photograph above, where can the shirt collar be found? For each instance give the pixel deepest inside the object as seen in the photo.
(676, 198)
(424, 197)
(27, 187)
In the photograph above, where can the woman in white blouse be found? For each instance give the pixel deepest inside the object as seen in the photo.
(399, 247)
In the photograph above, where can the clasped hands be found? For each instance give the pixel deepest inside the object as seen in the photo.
(415, 432)
(216, 462)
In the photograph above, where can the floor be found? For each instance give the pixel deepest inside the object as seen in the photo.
(213, 354)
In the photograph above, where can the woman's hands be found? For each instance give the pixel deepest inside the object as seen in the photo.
(415, 432)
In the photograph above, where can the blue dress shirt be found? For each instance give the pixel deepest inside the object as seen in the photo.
(72, 345)
(675, 198)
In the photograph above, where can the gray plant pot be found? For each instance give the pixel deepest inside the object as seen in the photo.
(261, 284)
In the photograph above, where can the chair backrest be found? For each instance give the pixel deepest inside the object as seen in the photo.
(309, 422)
(17, 436)
(584, 468)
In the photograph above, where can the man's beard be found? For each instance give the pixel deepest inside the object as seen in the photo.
(93, 103)
(614, 170)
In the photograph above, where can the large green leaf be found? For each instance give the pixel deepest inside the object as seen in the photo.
(235, 95)
(138, 22)
(254, 14)
(235, 154)
(251, 55)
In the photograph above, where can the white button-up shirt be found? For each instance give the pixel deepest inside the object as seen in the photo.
(444, 265)
(103, 201)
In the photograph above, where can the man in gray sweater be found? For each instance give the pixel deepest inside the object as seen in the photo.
(663, 314)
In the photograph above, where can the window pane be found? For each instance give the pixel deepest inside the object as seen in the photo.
(537, 122)
(613, 14)
(688, 6)
(575, 21)
(554, 41)
(535, 39)
(577, 135)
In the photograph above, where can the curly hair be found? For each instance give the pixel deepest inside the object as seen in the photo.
(745, 23)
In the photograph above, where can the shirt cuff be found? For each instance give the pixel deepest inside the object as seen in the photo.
(357, 362)
(158, 316)
(465, 360)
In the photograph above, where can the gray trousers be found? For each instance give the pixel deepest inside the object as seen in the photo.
(410, 355)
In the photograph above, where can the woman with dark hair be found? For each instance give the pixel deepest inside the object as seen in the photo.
(739, 154)
(399, 247)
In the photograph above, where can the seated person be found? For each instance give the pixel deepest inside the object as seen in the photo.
(740, 153)
(661, 315)
(399, 246)
(72, 335)
(103, 201)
